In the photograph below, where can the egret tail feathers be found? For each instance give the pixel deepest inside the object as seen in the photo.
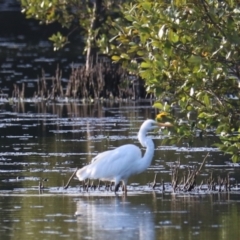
(82, 174)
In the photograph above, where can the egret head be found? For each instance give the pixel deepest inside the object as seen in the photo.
(150, 125)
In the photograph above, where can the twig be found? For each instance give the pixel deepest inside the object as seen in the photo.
(154, 181)
(191, 179)
(205, 5)
(203, 162)
(70, 179)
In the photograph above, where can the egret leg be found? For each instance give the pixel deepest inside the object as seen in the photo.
(124, 188)
(163, 186)
(106, 186)
(93, 186)
(83, 185)
(111, 184)
(99, 184)
(116, 187)
(87, 185)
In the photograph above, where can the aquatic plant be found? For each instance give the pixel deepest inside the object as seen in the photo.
(103, 81)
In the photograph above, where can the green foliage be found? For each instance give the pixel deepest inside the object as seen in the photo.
(58, 40)
(93, 23)
(188, 52)
(50, 11)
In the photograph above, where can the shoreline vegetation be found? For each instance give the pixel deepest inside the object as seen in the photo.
(104, 81)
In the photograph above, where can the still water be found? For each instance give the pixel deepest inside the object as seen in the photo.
(151, 216)
(45, 142)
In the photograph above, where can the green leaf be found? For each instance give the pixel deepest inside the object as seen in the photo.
(115, 58)
(124, 56)
(158, 105)
(145, 65)
(235, 158)
(172, 36)
(140, 53)
(146, 6)
(232, 149)
(195, 59)
(206, 100)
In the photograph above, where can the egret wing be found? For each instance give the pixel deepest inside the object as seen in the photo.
(115, 163)
(102, 155)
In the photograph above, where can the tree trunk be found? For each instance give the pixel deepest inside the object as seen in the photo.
(92, 35)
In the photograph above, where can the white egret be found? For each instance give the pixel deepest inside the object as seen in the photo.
(119, 164)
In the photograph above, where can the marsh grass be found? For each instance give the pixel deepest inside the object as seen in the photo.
(103, 81)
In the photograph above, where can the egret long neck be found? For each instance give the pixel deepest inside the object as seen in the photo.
(142, 137)
(146, 160)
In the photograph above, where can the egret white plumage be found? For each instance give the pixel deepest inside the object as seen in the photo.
(122, 162)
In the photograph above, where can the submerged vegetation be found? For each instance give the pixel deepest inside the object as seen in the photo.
(103, 81)
(183, 180)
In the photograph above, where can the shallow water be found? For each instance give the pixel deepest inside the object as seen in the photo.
(46, 142)
(151, 216)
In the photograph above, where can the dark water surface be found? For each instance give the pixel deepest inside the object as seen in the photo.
(47, 141)
(25, 51)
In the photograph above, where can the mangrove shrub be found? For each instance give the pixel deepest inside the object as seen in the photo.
(188, 53)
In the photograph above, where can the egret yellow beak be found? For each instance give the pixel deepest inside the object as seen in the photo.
(166, 124)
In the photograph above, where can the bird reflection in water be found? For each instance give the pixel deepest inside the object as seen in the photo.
(114, 218)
